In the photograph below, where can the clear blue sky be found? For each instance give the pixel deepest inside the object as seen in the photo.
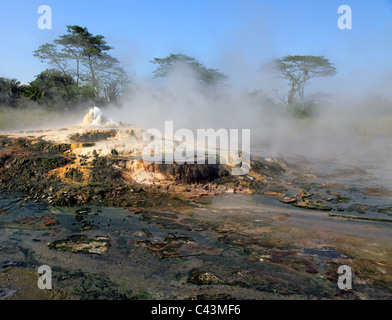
(235, 36)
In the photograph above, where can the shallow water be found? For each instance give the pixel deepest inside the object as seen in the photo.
(245, 246)
(364, 179)
(127, 271)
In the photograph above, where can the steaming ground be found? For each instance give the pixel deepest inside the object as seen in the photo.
(38, 118)
(252, 245)
(342, 132)
(352, 133)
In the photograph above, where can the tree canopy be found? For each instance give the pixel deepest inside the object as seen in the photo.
(204, 76)
(299, 70)
(84, 56)
(9, 91)
(55, 90)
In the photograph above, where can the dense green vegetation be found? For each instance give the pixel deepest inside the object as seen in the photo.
(81, 72)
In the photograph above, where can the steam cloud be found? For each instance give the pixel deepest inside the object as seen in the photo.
(358, 130)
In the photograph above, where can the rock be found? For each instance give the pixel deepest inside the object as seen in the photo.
(276, 194)
(360, 208)
(177, 246)
(185, 173)
(87, 225)
(147, 233)
(34, 223)
(203, 278)
(83, 244)
(49, 221)
(339, 198)
(312, 205)
(303, 194)
(288, 199)
(93, 135)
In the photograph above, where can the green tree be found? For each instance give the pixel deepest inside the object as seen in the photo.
(49, 53)
(33, 92)
(204, 76)
(9, 91)
(299, 70)
(85, 56)
(56, 91)
(91, 49)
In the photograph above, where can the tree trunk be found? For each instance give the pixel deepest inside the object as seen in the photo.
(94, 84)
(77, 72)
(290, 95)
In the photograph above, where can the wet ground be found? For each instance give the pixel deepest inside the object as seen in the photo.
(280, 232)
(223, 247)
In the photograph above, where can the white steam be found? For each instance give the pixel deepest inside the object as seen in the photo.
(351, 130)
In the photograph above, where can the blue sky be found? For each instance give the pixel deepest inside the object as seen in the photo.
(234, 36)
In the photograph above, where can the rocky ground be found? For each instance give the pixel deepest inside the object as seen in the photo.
(114, 227)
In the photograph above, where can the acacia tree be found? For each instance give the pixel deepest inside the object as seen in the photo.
(204, 76)
(299, 70)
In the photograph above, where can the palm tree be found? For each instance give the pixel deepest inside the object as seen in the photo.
(33, 92)
(9, 91)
